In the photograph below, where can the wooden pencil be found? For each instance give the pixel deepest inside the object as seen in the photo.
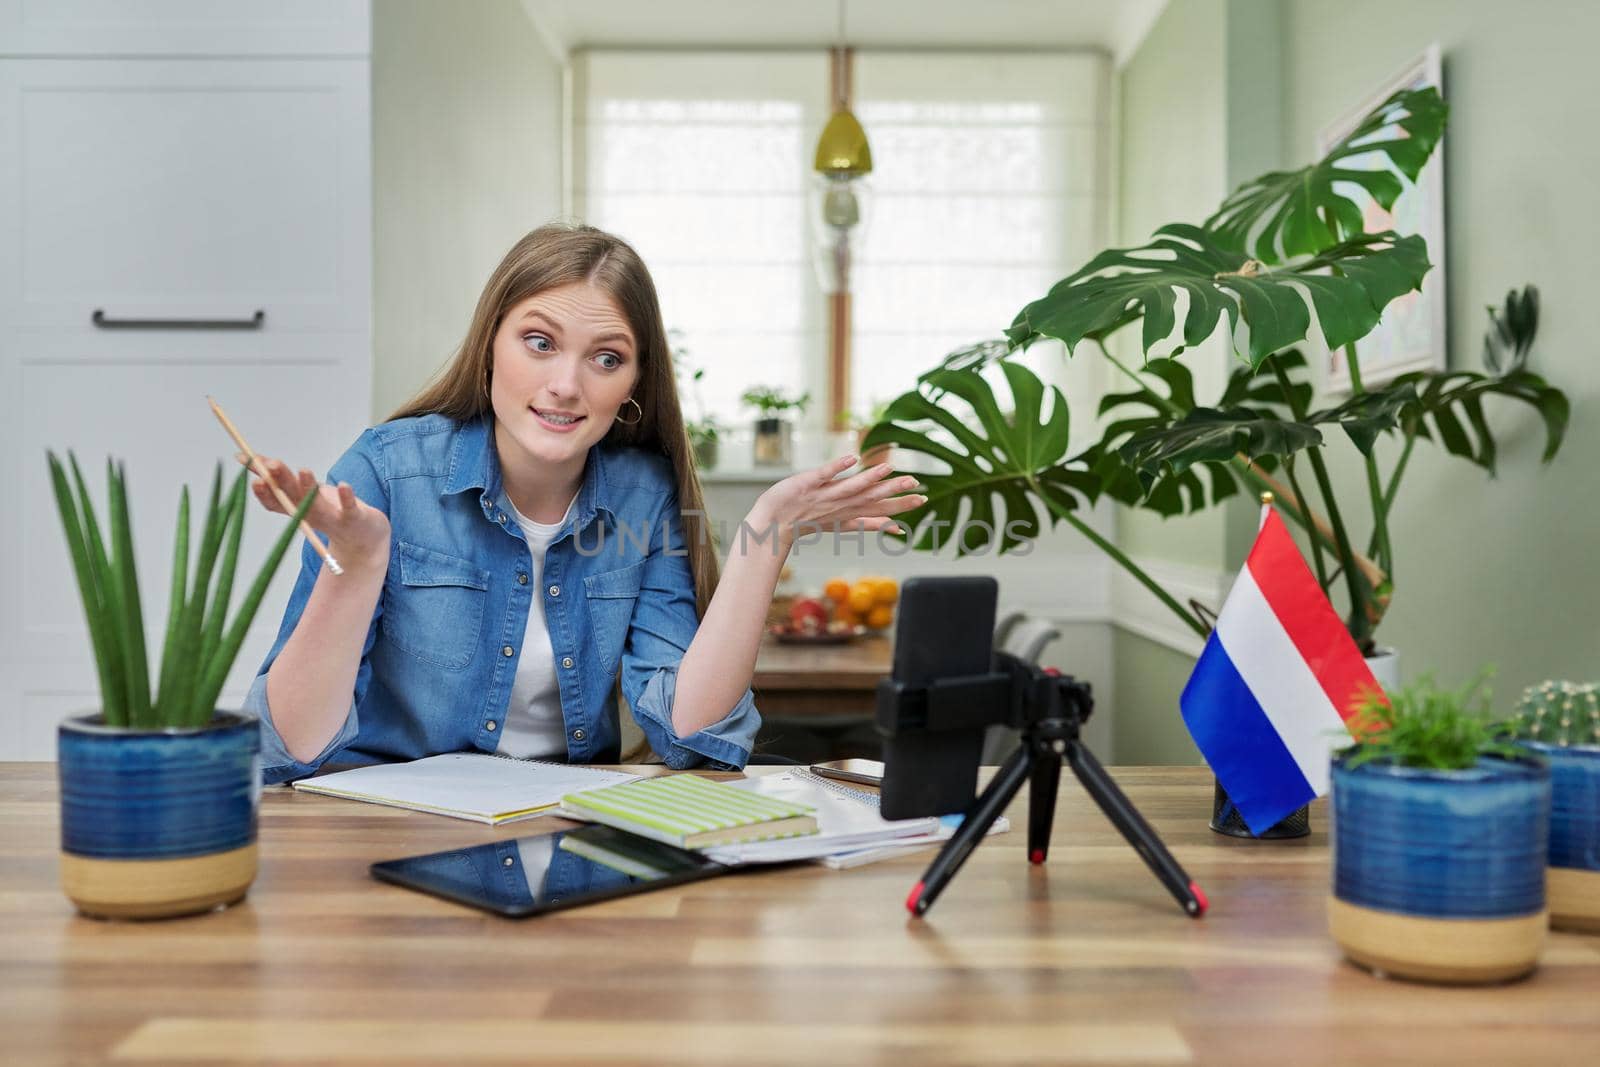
(266, 476)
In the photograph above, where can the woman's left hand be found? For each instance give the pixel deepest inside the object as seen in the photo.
(820, 499)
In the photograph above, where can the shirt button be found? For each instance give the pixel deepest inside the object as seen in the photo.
(508, 652)
(501, 518)
(490, 726)
(509, 862)
(566, 661)
(578, 734)
(522, 579)
(555, 590)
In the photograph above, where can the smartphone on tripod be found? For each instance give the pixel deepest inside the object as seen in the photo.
(948, 687)
(945, 627)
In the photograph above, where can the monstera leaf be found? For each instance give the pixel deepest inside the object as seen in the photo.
(1349, 284)
(1255, 388)
(1156, 404)
(992, 458)
(1210, 435)
(975, 356)
(1448, 407)
(1304, 212)
(1366, 415)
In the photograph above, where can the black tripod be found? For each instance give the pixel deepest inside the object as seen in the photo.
(1050, 709)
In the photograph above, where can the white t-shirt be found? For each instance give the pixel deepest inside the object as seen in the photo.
(534, 726)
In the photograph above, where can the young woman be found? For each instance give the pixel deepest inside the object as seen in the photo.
(529, 530)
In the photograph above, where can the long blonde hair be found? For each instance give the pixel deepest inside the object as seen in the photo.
(557, 254)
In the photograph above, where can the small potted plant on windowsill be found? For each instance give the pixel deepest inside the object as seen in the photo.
(861, 426)
(703, 437)
(773, 442)
(1561, 722)
(704, 431)
(1440, 828)
(159, 789)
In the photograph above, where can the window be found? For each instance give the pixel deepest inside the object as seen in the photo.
(701, 161)
(988, 186)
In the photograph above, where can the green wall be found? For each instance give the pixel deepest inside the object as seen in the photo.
(1489, 571)
(466, 157)
(1145, 727)
(1172, 166)
(1174, 145)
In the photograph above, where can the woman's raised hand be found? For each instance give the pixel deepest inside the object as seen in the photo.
(822, 499)
(357, 532)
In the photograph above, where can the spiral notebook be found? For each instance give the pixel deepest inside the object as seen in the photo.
(465, 785)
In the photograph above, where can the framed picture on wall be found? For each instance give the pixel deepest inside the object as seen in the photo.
(1411, 334)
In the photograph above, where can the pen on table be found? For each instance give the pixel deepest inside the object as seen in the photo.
(290, 506)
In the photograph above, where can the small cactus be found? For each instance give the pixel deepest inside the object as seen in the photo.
(1558, 713)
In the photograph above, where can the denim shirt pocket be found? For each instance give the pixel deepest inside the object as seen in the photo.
(435, 611)
(612, 595)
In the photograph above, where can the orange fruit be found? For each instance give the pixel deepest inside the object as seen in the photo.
(885, 590)
(842, 613)
(862, 597)
(880, 617)
(836, 590)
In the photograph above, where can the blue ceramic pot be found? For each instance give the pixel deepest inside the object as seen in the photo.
(1439, 875)
(158, 822)
(1573, 880)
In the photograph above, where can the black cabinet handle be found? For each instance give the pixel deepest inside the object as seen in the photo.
(105, 322)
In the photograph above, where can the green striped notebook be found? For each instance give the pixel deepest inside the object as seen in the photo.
(691, 812)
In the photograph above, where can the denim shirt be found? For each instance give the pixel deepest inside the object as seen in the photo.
(441, 651)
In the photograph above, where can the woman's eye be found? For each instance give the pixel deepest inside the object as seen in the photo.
(609, 360)
(539, 342)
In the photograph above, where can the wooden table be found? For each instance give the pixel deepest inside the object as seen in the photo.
(817, 701)
(836, 683)
(1085, 960)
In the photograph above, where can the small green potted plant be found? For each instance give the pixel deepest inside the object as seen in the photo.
(773, 442)
(861, 426)
(704, 431)
(1440, 829)
(1561, 722)
(703, 437)
(159, 789)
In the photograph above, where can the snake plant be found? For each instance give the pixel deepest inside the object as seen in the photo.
(200, 643)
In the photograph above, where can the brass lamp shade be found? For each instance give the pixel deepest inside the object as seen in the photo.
(842, 149)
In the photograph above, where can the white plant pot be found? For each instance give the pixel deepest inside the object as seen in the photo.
(1385, 666)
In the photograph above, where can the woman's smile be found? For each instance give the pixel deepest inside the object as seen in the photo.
(556, 421)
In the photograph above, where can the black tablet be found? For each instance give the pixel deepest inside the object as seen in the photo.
(525, 876)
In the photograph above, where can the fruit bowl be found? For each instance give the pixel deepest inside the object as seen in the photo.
(835, 634)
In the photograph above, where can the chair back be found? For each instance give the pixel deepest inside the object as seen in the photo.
(1024, 636)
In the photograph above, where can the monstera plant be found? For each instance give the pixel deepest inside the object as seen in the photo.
(1280, 248)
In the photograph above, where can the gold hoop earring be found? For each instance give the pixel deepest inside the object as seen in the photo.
(637, 408)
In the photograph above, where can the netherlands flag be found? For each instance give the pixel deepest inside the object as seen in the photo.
(1278, 679)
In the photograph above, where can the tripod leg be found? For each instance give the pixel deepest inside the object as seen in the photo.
(979, 817)
(1042, 805)
(1126, 818)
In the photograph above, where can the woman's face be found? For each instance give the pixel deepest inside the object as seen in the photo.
(565, 360)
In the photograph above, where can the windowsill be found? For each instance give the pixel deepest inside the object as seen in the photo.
(745, 475)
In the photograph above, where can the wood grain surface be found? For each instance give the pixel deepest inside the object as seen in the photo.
(1085, 960)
